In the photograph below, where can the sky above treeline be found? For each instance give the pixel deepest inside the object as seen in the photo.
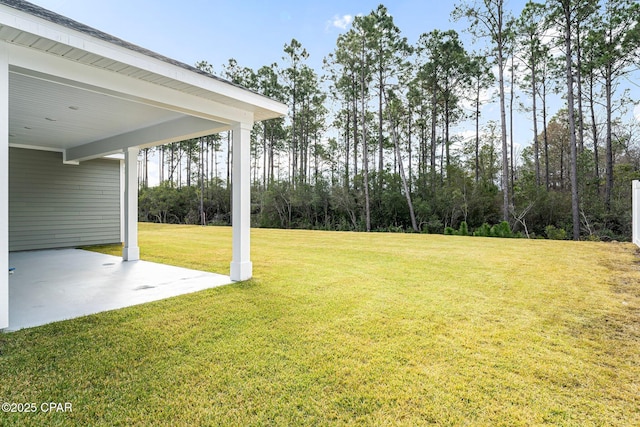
(254, 32)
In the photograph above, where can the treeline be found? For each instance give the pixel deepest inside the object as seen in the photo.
(375, 143)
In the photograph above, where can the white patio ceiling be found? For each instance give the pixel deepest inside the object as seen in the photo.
(50, 115)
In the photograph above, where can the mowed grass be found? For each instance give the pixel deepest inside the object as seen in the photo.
(351, 329)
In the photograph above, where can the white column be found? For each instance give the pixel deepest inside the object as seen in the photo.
(131, 251)
(241, 267)
(122, 189)
(635, 209)
(4, 187)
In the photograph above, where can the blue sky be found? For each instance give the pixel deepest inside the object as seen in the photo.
(255, 32)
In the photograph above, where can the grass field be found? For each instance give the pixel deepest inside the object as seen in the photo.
(351, 329)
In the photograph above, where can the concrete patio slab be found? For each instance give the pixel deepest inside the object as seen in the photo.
(53, 285)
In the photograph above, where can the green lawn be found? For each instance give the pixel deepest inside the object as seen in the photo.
(351, 328)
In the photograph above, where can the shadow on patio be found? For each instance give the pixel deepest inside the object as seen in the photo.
(52, 285)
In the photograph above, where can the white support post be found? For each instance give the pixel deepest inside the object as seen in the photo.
(131, 251)
(635, 209)
(241, 266)
(4, 187)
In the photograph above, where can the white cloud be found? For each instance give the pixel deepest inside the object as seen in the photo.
(487, 96)
(341, 22)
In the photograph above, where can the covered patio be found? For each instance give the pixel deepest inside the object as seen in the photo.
(70, 96)
(58, 284)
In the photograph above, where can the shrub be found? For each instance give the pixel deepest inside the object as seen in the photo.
(434, 225)
(483, 231)
(464, 229)
(501, 230)
(554, 233)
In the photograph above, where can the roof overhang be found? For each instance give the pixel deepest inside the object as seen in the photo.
(87, 94)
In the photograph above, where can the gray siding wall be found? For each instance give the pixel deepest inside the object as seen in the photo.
(53, 205)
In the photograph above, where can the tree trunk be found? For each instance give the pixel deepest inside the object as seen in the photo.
(579, 90)
(380, 139)
(146, 167)
(294, 140)
(214, 160)
(264, 155)
(229, 159)
(447, 119)
(171, 159)
(594, 134)
(347, 149)
(536, 145)
(271, 156)
(434, 118)
(205, 156)
(365, 151)
(405, 187)
(161, 163)
(609, 147)
(355, 128)
(409, 148)
(477, 131)
(188, 163)
(503, 123)
(545, 136)
(575, 207)
(422, 164)
(511, 157)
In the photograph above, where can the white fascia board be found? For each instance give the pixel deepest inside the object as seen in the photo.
(42, 148)
(63, 71)
(117, 156)
(164, 133)
(76, 39)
